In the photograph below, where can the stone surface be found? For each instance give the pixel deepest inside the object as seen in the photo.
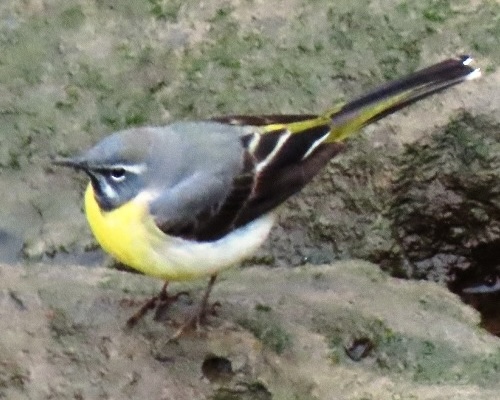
(279, 333)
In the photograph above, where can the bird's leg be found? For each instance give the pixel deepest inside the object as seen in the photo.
(200, 317)
(202, 312)
(160, 301)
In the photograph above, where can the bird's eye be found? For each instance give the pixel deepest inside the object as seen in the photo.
(118, 174)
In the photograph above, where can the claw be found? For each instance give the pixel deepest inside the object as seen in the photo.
(165, 302)
(196, 321)
(161, 301)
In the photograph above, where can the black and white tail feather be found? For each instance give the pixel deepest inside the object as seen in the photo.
(286, 151)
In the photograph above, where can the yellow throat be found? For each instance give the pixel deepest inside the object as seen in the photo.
(122, 232)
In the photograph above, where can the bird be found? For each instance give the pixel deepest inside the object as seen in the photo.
(190, 199)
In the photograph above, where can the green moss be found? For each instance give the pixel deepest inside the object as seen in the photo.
(72, 17)
(165, 10)
(437, 10)
(434, 362)
(91, 77)
(246, 391)
(417, 358)
(71, 99)
(263, 307)
(266, 328)
(60, 324)
(12, 375)
(130, 9)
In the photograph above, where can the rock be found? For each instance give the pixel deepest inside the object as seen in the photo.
(279, 333)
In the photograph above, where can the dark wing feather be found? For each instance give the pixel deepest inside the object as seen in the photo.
(296, 147)
(276, 165)
(288, 172)
(222, 221)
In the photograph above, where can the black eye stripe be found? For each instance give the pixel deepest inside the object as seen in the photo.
(117, 173)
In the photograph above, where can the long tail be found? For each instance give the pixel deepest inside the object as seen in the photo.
(345, 119)
(395, 95)
(287, 151)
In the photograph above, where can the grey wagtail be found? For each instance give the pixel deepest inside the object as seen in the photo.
(190, 199)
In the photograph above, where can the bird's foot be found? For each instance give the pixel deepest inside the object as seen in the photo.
(200, 318)
(160, 302)
(198, 321)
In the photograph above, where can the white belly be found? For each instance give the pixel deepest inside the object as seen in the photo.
(180, 259)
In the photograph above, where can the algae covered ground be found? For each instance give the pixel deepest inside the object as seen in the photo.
(74, 71)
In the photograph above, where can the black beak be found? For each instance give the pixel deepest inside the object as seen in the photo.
(76, 163)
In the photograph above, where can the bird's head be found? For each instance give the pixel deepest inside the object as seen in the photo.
(117, 167)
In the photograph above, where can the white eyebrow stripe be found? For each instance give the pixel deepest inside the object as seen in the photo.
(133, 168)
